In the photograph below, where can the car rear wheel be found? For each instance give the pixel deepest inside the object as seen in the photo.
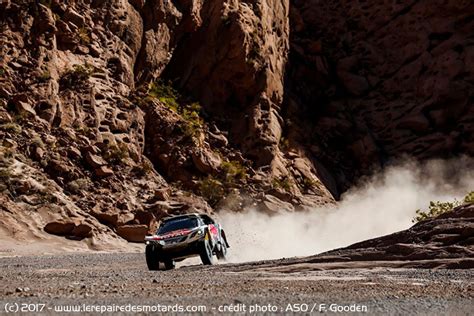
(169, 264)
(222, 252)
(152, 257)
(206, 252)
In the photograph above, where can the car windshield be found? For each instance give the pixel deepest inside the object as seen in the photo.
(177, 224)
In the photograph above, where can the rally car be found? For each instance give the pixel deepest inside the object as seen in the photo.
(183, 236)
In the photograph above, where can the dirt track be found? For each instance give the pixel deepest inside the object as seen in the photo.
(122, 279)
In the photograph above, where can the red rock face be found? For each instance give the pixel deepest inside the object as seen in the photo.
(238, 73)
(383, 79)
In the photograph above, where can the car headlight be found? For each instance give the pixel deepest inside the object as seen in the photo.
(196, 233)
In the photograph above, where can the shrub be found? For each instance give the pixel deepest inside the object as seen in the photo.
(11, 127)
(6, 176)
(77, 75)
(165, 93)
(469, 198)
(283, 183)
(437, 208)
(38, 142)
(144, 168)
(46, 198)
(6, 153)
(189, 112)
(226, 20)
(78, 185)
(85, 70)
(84, 130)
(212, 190)
(116, 153)
(308, 184)
(190, 131)
(284, 143)
(44, 76)
(193, 122)
(84, 36)
(233, 171)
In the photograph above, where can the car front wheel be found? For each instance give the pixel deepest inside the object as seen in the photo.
(205, 252)
(152, 257)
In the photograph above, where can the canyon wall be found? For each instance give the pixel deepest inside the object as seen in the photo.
(115, 114)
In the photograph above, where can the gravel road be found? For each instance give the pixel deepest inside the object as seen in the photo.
(106, 281)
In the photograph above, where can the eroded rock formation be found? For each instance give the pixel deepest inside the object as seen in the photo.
(121, 112)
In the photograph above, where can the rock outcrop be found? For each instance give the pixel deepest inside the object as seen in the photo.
(449, 236)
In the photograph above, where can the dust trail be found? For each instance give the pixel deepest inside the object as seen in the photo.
(380, 205)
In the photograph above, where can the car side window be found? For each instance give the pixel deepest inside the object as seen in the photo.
(207, 220)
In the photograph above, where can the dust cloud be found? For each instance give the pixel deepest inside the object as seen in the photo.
(379, 205)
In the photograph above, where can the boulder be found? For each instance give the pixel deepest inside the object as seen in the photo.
(5, 117)
(23, 108)
(74, 17)
(60, 227)
(103, 171)
(107, 218)
(145, 218)
(82, 231)
(72, 229)
(59, 167)
(162, 194)
(273, 205)
(133, 233)
(95, 161)
(218, 140)
(206, 161)
(74, 153)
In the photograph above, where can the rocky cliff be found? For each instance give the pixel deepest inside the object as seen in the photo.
(381, 79)
(117, 113)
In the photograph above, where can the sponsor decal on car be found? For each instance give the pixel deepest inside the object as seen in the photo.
(176, 233)
(213, 230)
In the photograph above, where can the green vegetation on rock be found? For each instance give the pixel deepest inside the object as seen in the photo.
(211, 189)
(233, 171)
(437, 208)
(77, 75)
(189, 112)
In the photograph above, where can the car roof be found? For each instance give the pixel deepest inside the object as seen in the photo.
(191, 215)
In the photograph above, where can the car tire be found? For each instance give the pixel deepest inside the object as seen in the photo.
(152, 257)
(170, 264)
(221, 253)
(205, 252)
